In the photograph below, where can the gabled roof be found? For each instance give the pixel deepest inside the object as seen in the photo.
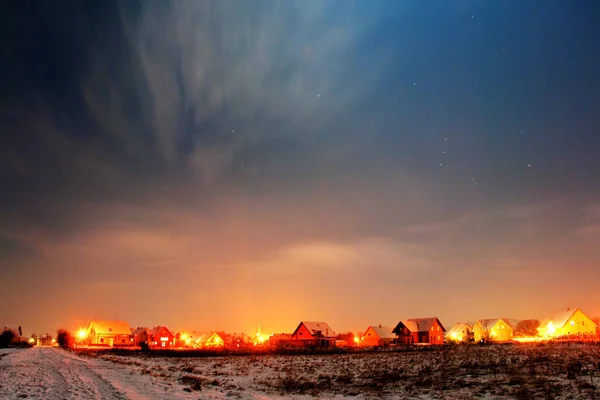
(425, 324)
(314, 327)
(411, 326)
(384, 332)
(216, 335)
(458, 328)
(141, 329)
(109, 327)
(559, 320)
(419, 324)
(490, 323)
(157, 329)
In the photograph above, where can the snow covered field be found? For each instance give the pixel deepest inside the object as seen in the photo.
(51, 373)
(557, 371)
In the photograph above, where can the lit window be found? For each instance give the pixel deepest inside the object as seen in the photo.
(572, 323)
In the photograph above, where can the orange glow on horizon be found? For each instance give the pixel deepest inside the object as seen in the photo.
(261, 338)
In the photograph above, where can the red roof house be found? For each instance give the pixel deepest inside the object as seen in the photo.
(317, 334)
(162, 338)
(420, 331)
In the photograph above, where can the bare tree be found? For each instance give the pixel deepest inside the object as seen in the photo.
(527, 327)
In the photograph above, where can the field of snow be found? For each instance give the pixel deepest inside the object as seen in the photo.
(52, 373)
(557, 371)
(453, 372)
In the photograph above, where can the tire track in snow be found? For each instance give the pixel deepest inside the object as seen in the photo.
(49, 373)
(83, 382)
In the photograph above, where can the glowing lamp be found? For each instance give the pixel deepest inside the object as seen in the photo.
(82, 334)
(454, 335)
(31, 340)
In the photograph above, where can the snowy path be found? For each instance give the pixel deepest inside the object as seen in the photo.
(51, 373)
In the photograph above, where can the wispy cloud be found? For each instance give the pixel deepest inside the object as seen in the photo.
(208, 80)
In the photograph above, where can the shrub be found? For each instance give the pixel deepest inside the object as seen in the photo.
(7, 337)
(63, 338)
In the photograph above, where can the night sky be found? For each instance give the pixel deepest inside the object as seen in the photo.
(215, 165)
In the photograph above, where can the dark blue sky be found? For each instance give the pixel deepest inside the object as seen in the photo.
(381, 150)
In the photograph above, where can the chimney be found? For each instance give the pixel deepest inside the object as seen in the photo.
(380, 325)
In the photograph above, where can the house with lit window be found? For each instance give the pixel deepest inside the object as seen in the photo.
(569, 324)
(376, 335)
(419, 331)
(108, 333)
(215, 340)
(317, 334)
(462, 332)
(496, 330)
(161, 338)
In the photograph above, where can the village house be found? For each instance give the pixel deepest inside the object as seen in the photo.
(376, 335)
(162, 338)
(462, 332)
(317, 334)
(572, 323)
(141, 335)
(215, 340)
(494, 330)
(420, 331)
(108, 333)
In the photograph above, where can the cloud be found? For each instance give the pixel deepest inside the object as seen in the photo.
(199, 83)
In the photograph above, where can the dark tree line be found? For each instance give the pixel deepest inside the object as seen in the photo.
(7, 337)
